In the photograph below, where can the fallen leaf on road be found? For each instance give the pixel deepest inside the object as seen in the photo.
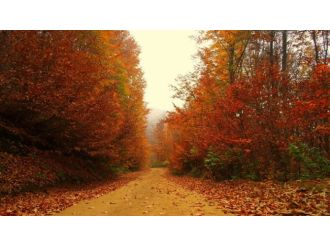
(198, 214)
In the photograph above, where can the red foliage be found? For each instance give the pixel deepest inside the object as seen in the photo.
(76, 92)
(240, 117)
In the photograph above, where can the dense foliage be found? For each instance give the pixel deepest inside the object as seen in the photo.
(258, 107)
(74, 93)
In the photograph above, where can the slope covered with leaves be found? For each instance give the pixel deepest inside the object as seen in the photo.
(244, 197)
(48, 202)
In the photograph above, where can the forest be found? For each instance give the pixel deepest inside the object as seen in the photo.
(252, 136)
(257, 108)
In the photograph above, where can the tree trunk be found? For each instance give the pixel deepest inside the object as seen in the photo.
(316, 49)
(231, 69)
(284, 50)
(326, 45)
(271, 48)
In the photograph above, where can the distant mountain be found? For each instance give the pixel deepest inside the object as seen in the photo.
(154, 116)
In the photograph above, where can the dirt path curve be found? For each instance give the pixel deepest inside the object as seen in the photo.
(150, 194)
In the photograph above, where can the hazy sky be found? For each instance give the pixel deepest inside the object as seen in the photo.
(164, 56)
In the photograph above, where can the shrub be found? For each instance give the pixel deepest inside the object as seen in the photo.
(211, 161)
(225, 166)
(314, 163)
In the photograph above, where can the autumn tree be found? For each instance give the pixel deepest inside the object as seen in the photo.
(76, 92)
(257, 108)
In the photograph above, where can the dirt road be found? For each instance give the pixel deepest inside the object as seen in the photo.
(150, 194)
